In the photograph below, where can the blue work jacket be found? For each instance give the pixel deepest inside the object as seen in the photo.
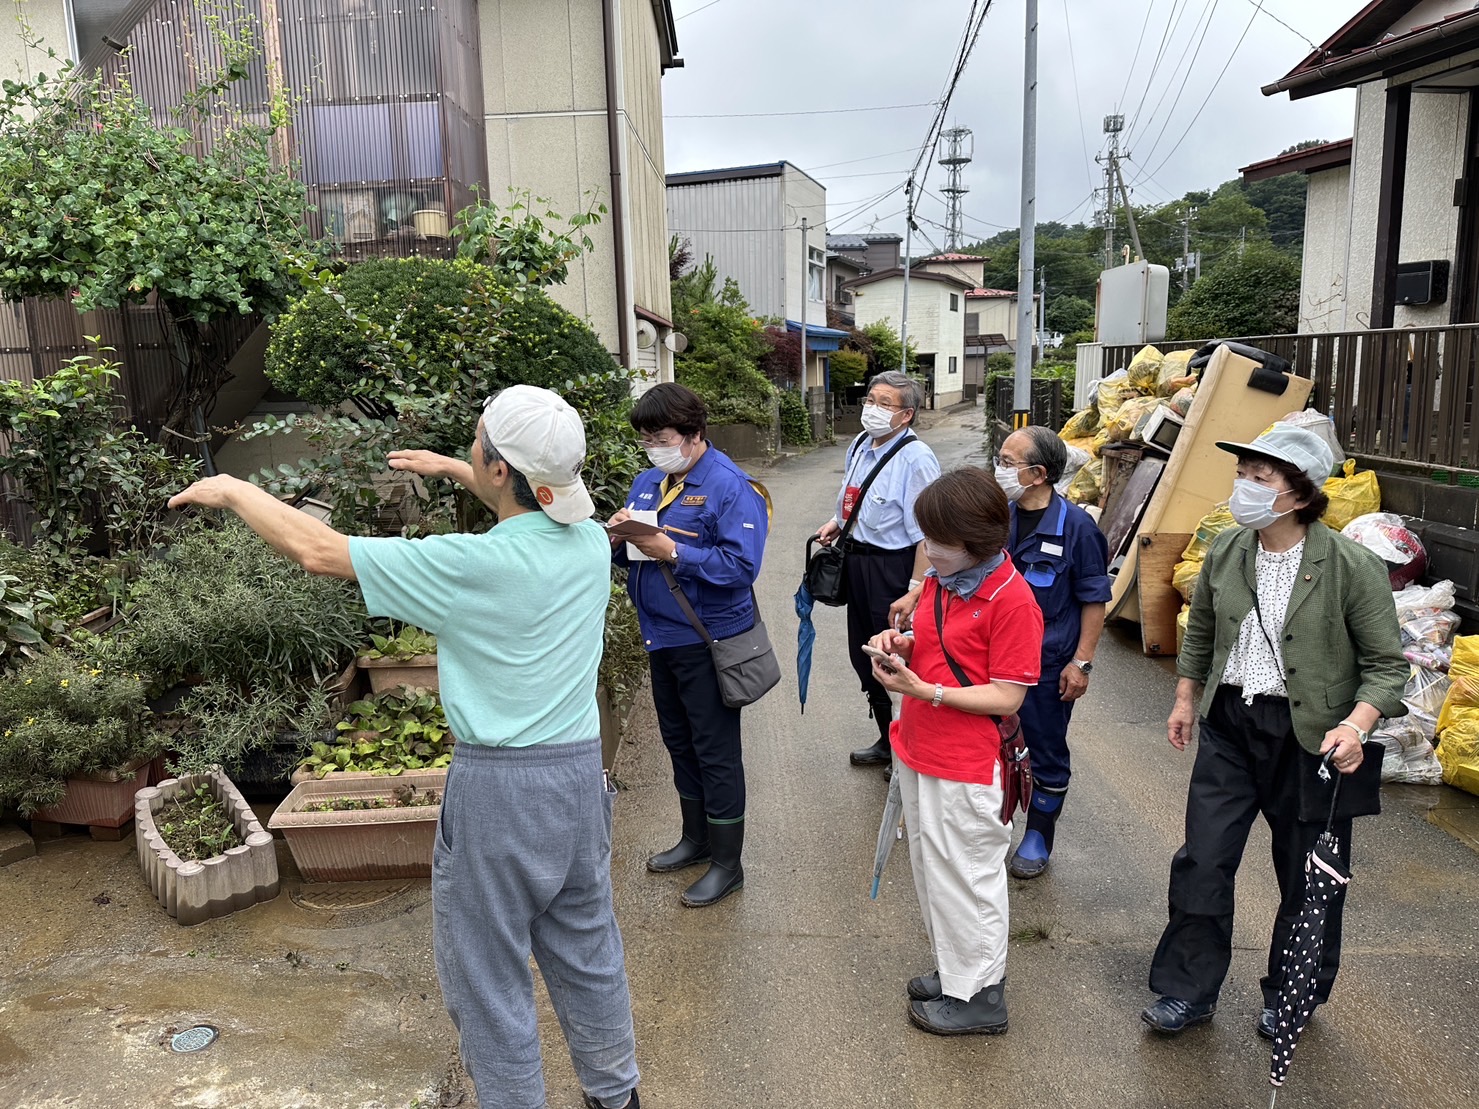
(717, 570)
(1066, 562)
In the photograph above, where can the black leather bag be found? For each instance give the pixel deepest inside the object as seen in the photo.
(826, 566)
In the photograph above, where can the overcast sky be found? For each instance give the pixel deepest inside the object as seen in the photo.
(759, 56)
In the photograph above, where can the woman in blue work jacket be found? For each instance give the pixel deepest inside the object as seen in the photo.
(714, 521)
(1064, 557)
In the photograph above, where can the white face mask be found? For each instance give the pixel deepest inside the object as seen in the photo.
(1006, 477)
(1252, 505)
(877, 421)
(670, 460)
(948, 560)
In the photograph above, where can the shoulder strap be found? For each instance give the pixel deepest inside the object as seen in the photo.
(955, 667)
(904, 441)
(682, 599)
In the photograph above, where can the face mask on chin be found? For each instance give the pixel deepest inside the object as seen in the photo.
(948, 560)
(670, 460)
(1252, 505)
(877, 421)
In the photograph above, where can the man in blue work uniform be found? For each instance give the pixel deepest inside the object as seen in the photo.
(714, 521)
(884, 547)
(1064, 557)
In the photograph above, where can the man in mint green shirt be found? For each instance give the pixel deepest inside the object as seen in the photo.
(523, 851)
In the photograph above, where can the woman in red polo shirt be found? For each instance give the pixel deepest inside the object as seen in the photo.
(976, 607)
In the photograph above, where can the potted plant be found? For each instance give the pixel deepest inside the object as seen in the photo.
(76, 739)
(202, 849)
(406, 660)
(384, 734)
(362, 829)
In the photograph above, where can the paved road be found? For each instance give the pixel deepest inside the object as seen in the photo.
(791, 992)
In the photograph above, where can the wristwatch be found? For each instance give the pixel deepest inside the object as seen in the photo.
(1362, 736)
(1086, 667)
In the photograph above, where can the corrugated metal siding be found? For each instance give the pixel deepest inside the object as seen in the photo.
(742, 225)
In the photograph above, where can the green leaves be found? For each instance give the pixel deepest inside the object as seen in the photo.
(387, 734)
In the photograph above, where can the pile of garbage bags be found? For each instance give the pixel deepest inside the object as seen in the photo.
(1119, 408)
(1428, 623)
(1458, 722)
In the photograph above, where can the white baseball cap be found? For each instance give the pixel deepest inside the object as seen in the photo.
(542, 437)
(1294, 445)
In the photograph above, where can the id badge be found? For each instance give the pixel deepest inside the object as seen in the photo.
(849, 501)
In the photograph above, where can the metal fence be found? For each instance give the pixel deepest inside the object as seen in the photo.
(1405, 394)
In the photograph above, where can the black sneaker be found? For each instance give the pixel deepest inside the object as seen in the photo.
(1267, 1024)
(1171, 1015)
(634, 1103)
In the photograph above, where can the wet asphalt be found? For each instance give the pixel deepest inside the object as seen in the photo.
(791, 992)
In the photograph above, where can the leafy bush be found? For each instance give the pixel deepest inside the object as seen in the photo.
(31, 621)
(624, 660)
(407, 643)
(725, 344)
(62, 716)
(795, 419)
(387, 734)
(517, 242)
(847, 368)
(222, 723)
(224, 606)
(884, 349)
(1244, 295)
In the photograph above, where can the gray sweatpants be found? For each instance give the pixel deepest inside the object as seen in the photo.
(523, 862)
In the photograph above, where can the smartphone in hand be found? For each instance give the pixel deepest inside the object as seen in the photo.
(886, 661)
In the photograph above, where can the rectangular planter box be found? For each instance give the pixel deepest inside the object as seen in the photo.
(99, 800)
(387, 674)
(193, 892)
(364, 845)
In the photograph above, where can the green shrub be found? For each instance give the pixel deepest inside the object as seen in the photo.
(847, 368)
(624, 659)
(795, 419)
(387, 734)
(61, 716)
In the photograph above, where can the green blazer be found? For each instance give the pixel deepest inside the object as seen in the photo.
(1341, 642)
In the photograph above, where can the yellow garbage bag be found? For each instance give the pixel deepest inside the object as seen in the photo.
(1184, 578)
(1113, 395)
(1351, 495)
(1458, 753)
(1085, 444)
(1173, 368)
(1128, 417)
(1183, 621)
(1084, 489)
(1081, 425)
(1463, 695)
(1212, 525)
(1145, 371)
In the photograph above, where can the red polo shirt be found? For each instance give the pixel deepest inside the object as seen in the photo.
(995, 636)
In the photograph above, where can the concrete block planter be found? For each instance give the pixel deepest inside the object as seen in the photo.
(103, 800)
(193, 892)
(389, 674)
(362, 845)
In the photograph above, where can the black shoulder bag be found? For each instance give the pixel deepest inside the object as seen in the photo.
(826, 566)
(746, 663)
(1016, 760)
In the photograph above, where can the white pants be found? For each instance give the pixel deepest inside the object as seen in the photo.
(958, 849)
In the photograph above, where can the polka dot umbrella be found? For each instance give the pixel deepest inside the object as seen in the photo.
(1326, 876)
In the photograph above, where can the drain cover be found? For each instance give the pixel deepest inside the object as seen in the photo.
(193, 1039)
(338, 896)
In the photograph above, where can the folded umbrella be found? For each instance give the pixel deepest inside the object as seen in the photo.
(888, 831)
(806, 637)
(1325, 877)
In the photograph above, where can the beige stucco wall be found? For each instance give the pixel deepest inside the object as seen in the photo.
(933, 328)
(48, 22)
(1327, 243)
(803, 198)
(998, 316)
(544, 96)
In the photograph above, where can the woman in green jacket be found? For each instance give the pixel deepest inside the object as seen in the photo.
(1292, 651)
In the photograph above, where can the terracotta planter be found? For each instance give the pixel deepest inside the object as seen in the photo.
(196, 891)
(103, 800)
(387, 674)
(364, 845)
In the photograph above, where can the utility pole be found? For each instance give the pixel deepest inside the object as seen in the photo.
(1191, 214)
(805, 292)
(908, 249)
(1242, 242)
(1042, 310)
(1027, 258)
(1113, 125)
(1129, 212)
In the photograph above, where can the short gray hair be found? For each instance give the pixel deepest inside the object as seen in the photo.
(1048, 451)
(523, 494)
(908, 388)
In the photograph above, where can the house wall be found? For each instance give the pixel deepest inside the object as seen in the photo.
(48, 20)
(998, 316)
(1327, 245)
(882, 255)
(933, 328)
(741, 224)
(645, 167)
(803, 198)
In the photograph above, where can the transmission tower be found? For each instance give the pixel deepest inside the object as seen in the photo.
(1113, 125)
(958, 146)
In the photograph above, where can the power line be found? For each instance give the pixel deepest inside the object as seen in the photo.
(1178, 9)
(1211, 9)
(1077, 99)
(869, 158)
(1130, 69)
(810, 112)
(1281, 23)
(695, 11)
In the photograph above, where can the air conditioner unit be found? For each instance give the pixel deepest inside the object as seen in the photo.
(1422, 282)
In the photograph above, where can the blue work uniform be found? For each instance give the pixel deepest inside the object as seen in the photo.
(1066, 562)
(717, 572)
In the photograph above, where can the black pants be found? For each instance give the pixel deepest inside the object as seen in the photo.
(701, 733)
(876, 578)
(1247, 762)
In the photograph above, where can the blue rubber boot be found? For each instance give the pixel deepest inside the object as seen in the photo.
(1031, 857)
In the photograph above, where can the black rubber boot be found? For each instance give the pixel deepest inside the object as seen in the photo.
(882, 752)
(725, 875)
(693, 848)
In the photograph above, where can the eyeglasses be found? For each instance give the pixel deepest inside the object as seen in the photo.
(663, 440)
(1012, 463)
(883, 404)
